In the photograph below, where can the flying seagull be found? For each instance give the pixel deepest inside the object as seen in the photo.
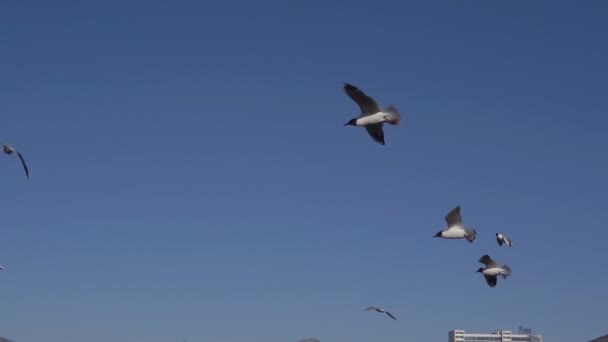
(493, 270)
(380, 310)
(503, 239)
(10, 150)
(372, 116)
(455, 228)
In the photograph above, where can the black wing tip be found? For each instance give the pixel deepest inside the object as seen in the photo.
(25, 168)
(491, 280)
(349, 86)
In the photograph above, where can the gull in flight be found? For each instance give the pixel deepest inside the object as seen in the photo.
(380, 310)
(10, 150)
(503, 239)
(372, 116)
(493, 270)
(455, 228)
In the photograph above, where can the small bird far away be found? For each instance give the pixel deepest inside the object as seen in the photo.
(455, 228)
(493, 270)
(503, 239)
(380, 310)
(372, 116)
(10, 150)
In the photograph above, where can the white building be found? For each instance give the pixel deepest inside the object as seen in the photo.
(496, 336)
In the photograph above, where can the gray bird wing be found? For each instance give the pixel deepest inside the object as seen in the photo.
(393, 317)
(27, 172)
(454, 218)
(370, 308)
(491, 280)
(366, 103)
(486, 260)
(375, 131)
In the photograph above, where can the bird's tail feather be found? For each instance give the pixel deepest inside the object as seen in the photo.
(508, 269)
(471, 234)
(394, 116)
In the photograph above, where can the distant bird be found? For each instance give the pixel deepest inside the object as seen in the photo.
(493, 270)
(380, 310)
(455, 228)
(502, 239)
(10, 150)
(372, 116)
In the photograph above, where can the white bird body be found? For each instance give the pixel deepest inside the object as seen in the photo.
(503, 239)
(455, 229)
(492, 270)
(372, 115)
(380, 117)
(455, 232)
(495, 271)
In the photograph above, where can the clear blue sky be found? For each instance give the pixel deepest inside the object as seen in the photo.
(191, 177)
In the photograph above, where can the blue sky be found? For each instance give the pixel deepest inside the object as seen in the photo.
(191, 177)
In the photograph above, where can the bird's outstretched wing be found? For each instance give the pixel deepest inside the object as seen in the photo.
(27, 172)
(489, 262)
(366, 103)
(491, 280)
(375, 131)
(393, 317)
(454, 218)
(10, 150)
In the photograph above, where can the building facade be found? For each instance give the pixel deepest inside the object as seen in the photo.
(496, 336)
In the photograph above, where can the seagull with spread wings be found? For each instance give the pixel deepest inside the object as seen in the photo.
(372, 116)
(10, 150)
(493, 270)
(455, 228)
(380, 310)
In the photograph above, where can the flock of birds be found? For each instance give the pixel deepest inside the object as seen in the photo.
(372, 118)
(456, 229)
